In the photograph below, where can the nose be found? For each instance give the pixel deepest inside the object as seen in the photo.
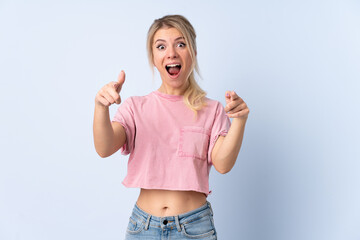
(172, 52)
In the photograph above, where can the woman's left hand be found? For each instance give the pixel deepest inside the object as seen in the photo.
(235, 106)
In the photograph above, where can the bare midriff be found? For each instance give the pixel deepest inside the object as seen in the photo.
(161, 203)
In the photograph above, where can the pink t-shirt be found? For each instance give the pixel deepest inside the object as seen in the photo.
(169, 148)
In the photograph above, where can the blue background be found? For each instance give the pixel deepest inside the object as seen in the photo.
(295, 63)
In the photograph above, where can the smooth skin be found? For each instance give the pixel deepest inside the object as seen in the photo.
(169, 47)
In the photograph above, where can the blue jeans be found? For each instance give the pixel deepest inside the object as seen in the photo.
(195, 224)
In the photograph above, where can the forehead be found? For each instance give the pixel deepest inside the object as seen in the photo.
(167, 34)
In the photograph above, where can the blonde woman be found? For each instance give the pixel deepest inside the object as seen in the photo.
(173, 135)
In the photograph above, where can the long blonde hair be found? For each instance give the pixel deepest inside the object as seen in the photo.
(194, 96)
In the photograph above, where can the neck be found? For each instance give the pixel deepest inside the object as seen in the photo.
(173, 91)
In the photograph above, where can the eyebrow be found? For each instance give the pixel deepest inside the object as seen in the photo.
(165, 41)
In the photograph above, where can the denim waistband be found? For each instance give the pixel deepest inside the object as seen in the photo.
(172, 221)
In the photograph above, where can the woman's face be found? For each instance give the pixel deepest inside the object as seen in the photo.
(172, 59)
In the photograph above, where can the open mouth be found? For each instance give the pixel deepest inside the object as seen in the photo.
(173, 69)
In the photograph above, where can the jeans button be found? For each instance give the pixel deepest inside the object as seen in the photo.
(165, 222)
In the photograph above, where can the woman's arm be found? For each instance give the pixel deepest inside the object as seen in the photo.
(226, 149)
(108, 137)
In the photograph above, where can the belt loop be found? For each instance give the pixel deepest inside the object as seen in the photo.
(211, 211)
(147, 222)
(177, 223)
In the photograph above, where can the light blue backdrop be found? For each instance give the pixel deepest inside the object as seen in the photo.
(295, 63)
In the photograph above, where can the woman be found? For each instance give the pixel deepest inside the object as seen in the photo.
(174, 135)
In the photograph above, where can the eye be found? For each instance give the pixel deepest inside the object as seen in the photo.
(181, 45)
(160, 47)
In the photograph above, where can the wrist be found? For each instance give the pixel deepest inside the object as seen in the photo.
(241, 121)
(100, 106)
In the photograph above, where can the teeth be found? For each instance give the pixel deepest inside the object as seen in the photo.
(173, 65)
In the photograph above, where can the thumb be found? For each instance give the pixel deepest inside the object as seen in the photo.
(120, 81)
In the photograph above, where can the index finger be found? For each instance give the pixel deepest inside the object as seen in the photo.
(120, 82)
(121, 77)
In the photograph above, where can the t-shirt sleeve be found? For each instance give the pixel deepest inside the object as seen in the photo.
(220, 128)
(125, 116)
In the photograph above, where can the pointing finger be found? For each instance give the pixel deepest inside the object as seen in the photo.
(121, 77)
(120, 82)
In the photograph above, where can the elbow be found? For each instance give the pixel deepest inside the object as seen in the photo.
(102, 154)
(224, 171)
(223, 166)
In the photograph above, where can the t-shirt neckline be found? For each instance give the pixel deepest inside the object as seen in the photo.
(169, 96)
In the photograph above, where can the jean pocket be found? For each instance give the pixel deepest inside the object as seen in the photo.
(199, 228)
(135, 225)
(194, 142)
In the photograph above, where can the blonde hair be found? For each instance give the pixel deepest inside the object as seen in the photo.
(194, 96)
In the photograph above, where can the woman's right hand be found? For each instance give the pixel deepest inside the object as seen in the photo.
(110, 93)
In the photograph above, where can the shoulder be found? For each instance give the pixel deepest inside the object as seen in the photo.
(138, 99)
(212, 103)
(213, 108)
(137, 102)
